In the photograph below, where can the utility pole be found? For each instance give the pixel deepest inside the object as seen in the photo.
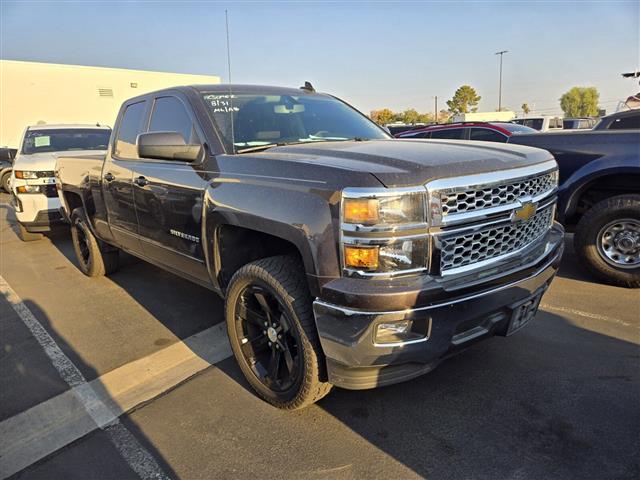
(436, 110)
(501, 53)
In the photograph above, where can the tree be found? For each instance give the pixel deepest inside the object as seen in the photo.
(580, 102)
(410, 116)
(382, 117)
(425, 118)
(464, 100)
(525, 109)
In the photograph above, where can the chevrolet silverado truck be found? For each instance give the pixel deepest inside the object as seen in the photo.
(345, 257)
(599, 195)
(33, 192)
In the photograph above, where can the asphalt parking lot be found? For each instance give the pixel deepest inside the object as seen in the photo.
(142, 352)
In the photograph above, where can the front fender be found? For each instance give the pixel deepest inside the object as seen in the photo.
(301, 214)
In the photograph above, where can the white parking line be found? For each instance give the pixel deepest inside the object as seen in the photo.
(45, 428)
(580, 313)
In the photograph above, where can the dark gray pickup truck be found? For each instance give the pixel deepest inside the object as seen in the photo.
(345, 257)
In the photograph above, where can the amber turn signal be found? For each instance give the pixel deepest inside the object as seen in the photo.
(361, 210)
(361, 257)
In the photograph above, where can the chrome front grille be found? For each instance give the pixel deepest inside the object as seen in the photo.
(493, 241)
(468, 200)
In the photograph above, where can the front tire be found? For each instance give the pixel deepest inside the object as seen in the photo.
(5, 181)
(93, 257)
(27, 236)
(273, 335)
(607, 240)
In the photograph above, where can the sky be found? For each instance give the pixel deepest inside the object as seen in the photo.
(372, 54)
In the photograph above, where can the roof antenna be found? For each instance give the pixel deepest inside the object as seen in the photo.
(308, 87)
(233, 136)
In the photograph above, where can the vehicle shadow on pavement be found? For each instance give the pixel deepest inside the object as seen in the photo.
(570, 267)
(180, 305)
(554, 401)
(93, 455)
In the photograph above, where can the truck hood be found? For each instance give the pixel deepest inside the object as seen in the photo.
(398, 163)
(46, 161)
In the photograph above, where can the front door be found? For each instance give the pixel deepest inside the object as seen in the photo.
(117, 178)
(169, 195)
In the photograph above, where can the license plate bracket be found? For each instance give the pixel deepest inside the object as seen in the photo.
(524, 312)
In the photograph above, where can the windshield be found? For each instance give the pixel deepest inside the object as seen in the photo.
(515, 128)
(64, 140)
(265, 120)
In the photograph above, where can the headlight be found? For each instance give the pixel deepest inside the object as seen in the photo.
(385, 210)
(384, 231)
(25, 174)
(28, 189)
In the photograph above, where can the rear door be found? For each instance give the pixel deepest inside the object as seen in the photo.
(169, 194)
(117, 176)
(450, 134)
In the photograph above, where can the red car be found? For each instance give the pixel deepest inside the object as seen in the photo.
(482, 131)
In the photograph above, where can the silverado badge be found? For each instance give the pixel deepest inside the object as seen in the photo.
(524, 213)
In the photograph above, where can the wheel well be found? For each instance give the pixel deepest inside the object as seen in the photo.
(602, 188)
(238, 246)
(73, 201)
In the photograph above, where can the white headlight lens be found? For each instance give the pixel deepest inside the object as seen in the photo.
(403, 255)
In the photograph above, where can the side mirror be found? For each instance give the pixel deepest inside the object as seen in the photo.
(167, 146)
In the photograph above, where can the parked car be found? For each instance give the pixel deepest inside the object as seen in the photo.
(624, 120)
(312, 223)
(34, 195)
(599, 197)
(578, 123)
(7, 155)
(396, 128)
(481, 131)
(544, 123)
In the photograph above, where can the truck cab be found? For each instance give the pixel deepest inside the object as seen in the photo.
(34, 196)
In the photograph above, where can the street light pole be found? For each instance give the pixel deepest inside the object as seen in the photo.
(436, 110)
(501, 53)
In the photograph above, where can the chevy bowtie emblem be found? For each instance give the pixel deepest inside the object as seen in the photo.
(524, 213)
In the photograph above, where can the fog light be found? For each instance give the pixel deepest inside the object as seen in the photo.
(394, 332)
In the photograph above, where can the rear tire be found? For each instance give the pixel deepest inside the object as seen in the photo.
(282, 334)
(599, 240)
(94, 258)
(4, 182)
(26, 236)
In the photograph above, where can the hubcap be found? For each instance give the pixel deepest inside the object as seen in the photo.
(619, 243)
(268, 342)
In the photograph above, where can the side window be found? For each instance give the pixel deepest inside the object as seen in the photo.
(626, 123)
(131, 125)
(170, 115)
(449, 133)
(486, 135)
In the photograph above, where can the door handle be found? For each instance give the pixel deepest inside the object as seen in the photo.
(109, 177)
(141, 181)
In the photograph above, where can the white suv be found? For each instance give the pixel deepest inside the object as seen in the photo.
(33, 188)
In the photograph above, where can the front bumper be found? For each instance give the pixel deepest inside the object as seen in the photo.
(36, 212)
(456, 315)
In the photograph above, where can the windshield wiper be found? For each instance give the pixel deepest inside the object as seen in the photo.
(258, 148)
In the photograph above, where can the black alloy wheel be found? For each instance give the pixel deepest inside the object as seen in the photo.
(273, 334)
(268, 343)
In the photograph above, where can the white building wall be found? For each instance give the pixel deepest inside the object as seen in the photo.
(31, 93)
